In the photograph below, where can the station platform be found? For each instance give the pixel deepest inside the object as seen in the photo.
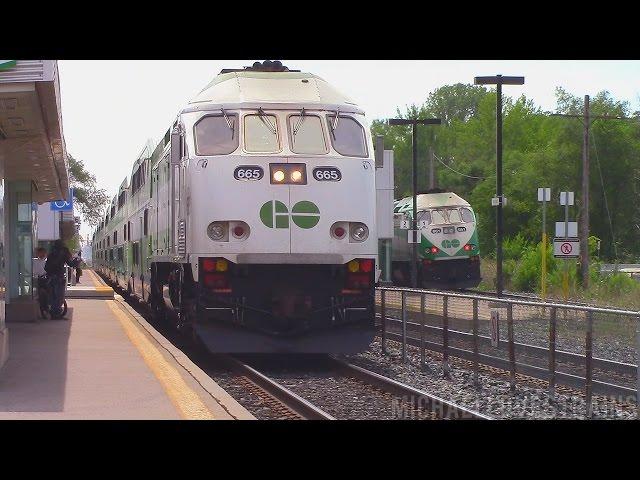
(90, 286)
(105, 362)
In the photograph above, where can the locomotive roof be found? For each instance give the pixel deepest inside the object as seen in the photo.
(248, 86)
(434, 200)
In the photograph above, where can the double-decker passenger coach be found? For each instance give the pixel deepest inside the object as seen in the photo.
(253, 222)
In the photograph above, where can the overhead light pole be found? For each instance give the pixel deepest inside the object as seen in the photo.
(414, 122)
(498, 81)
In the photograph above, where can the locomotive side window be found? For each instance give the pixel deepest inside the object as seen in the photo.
(216, 134)
(467, 216)
(261, 133)
(306, 134)
(425, 215)
(347, 136)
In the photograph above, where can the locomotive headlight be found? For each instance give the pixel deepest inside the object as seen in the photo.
(296, 176)
(278, 175)
(358, 231)
(217, 231)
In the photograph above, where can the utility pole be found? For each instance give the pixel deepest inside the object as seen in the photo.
(587, 119)
(584, 224)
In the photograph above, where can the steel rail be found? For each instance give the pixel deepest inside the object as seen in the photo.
(291, 400)
(442, 408)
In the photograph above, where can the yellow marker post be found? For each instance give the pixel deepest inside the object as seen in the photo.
(544, 266)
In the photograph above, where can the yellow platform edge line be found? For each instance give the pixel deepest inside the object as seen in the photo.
(186, 401)
(94, 279)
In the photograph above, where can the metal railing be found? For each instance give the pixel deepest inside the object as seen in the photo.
(549, 324)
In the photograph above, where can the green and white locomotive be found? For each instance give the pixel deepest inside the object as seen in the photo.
(448, 251)
(253, 222)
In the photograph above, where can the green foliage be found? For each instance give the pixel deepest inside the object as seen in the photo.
(89, 198)
(514, 247)
(73, 243)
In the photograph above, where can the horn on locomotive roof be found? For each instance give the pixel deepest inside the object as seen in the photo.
(266, 66)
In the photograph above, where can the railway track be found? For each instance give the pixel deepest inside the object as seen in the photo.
(251, 375)
(571, 364)
(348, 391)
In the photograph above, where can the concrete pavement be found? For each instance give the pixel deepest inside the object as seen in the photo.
(105, 362)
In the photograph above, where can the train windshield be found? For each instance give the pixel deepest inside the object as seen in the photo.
(425, 215)
(216, 135)
(438, 217)
(306, 134)
(261, 133)
(454, 215)
(347, 136)
(467, 215)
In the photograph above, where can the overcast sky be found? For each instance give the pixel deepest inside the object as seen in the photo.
(110, 108)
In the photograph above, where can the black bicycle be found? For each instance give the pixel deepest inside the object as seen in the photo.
(44, 293)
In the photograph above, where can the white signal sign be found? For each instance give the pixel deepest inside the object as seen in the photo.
(566, 248)
(405, 224)
(572, 227)
(566, 198)
(413, 236)
(422, 224)
(544, 194)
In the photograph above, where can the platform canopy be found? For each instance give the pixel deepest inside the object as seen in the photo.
(31, 138)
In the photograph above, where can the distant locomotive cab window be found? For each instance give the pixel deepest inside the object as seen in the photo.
(438, 217)
(347, 136)
(467, 216)
(216, 134)
(261, 133)
(306, 134)
(425, 215)
(454, 215)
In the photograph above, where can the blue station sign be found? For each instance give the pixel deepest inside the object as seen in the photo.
(63, 205)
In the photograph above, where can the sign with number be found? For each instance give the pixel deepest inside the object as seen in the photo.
(63, 205)
(422, 224)
(248, 172)
(324, 174)
(566, 248)
(495, 328)
(405, 224)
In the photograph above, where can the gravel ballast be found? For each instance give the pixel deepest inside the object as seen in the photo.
(493, 397)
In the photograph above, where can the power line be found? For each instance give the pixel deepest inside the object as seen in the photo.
(455, 171)
(604, 192)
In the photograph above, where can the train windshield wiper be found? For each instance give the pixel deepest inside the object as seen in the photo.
(265, 119)
(297, 126)
(229, 122)
(334, 124)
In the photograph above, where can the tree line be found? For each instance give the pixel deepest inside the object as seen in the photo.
(539, 150)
